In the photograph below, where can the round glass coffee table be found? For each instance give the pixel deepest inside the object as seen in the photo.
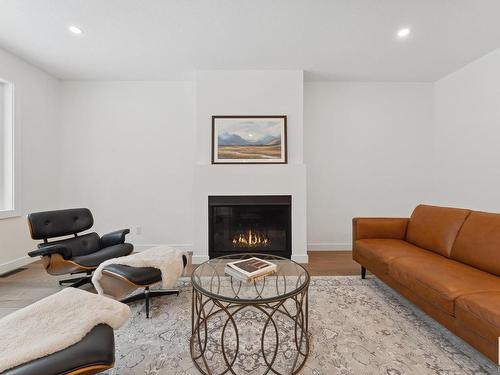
(259, 327)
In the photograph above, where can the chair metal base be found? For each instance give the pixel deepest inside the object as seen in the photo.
(76, 281)
(148, 294)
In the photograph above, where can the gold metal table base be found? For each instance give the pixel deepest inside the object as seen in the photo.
(206, 307)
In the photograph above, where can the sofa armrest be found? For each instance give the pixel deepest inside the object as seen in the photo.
(50, 250)
(114, 238)
(379, 227)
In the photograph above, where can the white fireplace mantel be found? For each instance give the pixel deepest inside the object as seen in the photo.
(266, 92)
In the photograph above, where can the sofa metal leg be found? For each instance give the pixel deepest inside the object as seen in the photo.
(363, 272)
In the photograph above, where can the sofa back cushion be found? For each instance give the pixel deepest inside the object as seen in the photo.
(435, 228)
(478, 243)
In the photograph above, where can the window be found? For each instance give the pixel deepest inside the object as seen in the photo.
(6, 148)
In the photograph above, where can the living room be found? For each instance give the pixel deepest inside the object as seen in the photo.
(351, 145)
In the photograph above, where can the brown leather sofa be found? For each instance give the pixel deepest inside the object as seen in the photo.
(444, 260)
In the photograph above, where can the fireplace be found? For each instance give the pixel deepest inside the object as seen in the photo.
(243, 224)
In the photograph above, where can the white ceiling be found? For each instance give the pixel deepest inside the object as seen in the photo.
(329, 39)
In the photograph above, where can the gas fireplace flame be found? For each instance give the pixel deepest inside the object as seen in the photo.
(250, 239)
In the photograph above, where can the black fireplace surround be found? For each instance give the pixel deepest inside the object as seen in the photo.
(250, 223)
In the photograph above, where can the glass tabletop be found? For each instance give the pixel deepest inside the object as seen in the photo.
(209, 278)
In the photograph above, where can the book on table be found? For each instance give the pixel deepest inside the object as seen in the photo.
(250, 269)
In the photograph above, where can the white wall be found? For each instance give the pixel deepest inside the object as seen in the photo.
(467, 139)
(128, 155)
(134, 150)
(37, 153)
(368, 151)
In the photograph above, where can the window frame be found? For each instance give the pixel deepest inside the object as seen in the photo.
(10, 156)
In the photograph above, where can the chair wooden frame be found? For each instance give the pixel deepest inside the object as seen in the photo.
(119, 285)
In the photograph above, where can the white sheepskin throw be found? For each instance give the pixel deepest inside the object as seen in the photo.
(167, 259)
(55, 323)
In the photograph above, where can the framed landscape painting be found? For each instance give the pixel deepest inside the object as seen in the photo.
(249, 140)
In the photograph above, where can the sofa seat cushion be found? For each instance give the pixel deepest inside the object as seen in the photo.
(441, 281)
(382, 251)
(480, 312)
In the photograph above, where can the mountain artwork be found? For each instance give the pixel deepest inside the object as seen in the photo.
(252, 139)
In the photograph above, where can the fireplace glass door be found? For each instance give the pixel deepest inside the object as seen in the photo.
(243, 224)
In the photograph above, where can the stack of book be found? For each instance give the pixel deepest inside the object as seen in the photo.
(250, 270)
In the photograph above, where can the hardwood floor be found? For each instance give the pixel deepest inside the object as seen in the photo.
(332, 263)
(32, 283)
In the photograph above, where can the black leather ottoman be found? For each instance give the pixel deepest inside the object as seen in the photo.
(137, 277)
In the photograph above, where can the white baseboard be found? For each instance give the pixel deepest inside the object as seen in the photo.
(198, 259)
(180, 246)
(16, 263)
(300, 258)
(329, 246)
(195, 259)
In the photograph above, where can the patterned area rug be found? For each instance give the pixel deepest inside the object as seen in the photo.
(357, 327)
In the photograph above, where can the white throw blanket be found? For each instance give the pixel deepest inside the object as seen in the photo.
(167, 259)
(55, 323)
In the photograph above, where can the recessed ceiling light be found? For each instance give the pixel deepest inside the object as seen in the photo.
(404, 32)
(75, 30)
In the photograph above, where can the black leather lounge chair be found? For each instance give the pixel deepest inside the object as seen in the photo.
(93, 354)
(77, 254)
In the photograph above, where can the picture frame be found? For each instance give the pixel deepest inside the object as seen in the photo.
(249, 139)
